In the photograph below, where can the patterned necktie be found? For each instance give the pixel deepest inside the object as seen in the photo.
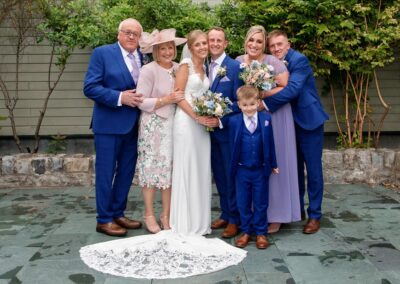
(252, 125)
(135, 69)
(211, 73)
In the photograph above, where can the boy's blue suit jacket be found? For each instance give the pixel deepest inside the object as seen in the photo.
(235, 126)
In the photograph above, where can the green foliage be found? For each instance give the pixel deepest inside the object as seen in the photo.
(345, 41)
(57, 145)
(335, 35)
(67, 25)
(182, 15)
(234, 20)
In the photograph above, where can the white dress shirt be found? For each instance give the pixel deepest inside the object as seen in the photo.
(218, 63)
(125, 54)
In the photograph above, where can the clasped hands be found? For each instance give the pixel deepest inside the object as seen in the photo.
(208, 121)
(131, 98)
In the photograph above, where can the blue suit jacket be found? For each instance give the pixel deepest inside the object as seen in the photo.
(106, 77)
(227, 85)
(301, 92)
(235, 126)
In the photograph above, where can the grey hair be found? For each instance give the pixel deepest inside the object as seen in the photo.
(130, 20)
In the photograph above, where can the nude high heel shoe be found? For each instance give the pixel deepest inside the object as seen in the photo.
(151, 224)
(274, 228)
(164, 221)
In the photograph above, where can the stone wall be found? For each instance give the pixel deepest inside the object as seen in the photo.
(368, 166)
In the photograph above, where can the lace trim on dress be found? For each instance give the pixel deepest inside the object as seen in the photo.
(190, 64)
(163, 255)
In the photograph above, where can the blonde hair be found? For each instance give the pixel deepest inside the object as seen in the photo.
(246, 92)
(156, 49)
(254, 30)
(192, 37)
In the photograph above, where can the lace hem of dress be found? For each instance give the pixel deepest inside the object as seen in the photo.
(161, 256)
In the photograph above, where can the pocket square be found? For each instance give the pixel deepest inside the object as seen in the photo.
(266, 123)
(225, 79)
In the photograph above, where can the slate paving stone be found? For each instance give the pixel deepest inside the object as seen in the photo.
(383, 255)
(60, 247)
(266, 261)
(230, 275)
(12, 258)
(269, 278)
(331, 268)
(391, 276)
(359, 240)
(77, 223)
(122, 280)
(60, 271)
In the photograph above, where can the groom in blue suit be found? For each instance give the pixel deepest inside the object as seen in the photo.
(223, 73)
(309, 118)
(110, 82)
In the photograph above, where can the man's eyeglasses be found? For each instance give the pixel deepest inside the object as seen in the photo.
(129, 34)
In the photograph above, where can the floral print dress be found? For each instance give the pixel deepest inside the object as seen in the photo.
(154, 164)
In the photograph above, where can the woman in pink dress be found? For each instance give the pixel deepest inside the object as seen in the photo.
(284, 202)
(156, 83)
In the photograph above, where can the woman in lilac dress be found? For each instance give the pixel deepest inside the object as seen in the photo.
(284, 203)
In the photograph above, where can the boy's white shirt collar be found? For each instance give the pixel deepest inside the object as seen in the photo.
(247, 119)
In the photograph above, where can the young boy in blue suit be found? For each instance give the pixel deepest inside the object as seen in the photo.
(253, 159)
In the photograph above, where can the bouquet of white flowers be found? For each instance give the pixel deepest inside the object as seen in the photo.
(211, 104)
(258, 75)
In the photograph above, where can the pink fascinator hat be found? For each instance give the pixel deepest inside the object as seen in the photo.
(147, 41)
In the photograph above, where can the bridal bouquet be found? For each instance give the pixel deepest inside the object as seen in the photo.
(258, 75)
(211, 104)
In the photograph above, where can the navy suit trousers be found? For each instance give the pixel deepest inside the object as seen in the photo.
(116, 156)
(309, 154)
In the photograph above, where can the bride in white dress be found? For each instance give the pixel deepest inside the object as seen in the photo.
(182, 251)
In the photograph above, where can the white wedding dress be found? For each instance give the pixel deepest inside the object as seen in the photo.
(182, 251)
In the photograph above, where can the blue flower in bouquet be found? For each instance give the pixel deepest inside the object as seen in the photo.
(211, 104)
(261, 76)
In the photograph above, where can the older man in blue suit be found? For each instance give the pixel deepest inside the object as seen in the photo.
(110, 82)
(223, 73)
(309, 118)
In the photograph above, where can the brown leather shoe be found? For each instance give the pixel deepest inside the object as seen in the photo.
(312, 226)
(127, 223)
(262, 242)
(243, 241)
(111, 229)
(230, 231)
(218, 224)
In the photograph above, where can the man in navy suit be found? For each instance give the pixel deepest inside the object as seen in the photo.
(309, 118)
(110, 82)
(223, 73)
